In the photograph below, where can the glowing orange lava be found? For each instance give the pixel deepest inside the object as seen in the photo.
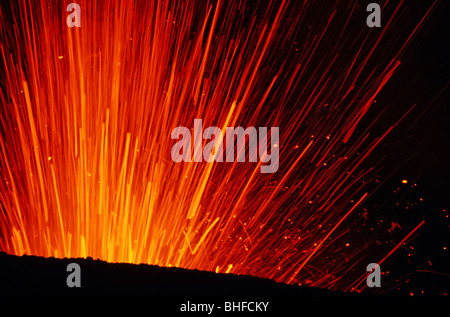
(87, 114)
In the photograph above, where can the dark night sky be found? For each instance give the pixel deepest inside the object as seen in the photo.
(419, 151)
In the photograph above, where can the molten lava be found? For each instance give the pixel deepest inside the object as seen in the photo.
(87, 114)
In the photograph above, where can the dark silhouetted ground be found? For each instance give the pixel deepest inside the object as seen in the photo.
(37, 277)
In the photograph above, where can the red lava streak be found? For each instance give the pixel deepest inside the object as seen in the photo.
(87, 114)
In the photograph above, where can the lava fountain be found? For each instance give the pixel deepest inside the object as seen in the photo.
(87, 113)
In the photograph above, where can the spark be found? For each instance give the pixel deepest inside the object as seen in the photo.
(87, 113)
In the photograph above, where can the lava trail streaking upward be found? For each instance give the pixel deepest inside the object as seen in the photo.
(87, 114)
